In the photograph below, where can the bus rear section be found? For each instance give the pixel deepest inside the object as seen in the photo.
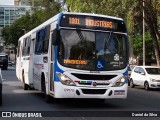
(24, 65)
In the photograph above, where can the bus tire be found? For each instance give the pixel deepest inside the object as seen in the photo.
(47, 97)
(25, 86)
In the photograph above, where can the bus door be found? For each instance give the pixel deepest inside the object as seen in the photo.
(51, 69)
(52, 60)
(31, 65)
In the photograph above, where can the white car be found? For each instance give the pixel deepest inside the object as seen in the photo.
(147, 76)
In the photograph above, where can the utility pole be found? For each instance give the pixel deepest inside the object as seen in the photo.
(143, 34)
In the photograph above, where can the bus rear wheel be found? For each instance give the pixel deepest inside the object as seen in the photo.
(25, 86)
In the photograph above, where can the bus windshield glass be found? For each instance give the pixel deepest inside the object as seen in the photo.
(93, 50)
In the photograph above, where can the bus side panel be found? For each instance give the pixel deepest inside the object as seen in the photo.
(38, 69)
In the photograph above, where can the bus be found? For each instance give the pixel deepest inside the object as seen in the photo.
(75, 55)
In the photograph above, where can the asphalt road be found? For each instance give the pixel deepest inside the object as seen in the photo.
(16, 99)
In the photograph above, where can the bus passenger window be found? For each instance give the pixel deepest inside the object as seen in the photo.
(42, 41)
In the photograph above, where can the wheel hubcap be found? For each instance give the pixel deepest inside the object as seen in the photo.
(146, 86)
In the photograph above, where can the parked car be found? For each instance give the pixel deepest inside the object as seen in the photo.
(4, 61)
(146, 76)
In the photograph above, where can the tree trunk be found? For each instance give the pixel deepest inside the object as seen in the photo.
(151, 21)
(156, 47)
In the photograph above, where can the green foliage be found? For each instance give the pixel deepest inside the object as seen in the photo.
(132, 12)
(138, 46)
(29, 21)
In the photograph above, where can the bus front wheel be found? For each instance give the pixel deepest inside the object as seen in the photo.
(25, 86)
(47, 97)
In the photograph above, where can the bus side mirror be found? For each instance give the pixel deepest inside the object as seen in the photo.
(55, 35)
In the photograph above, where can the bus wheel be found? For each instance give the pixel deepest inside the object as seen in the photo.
(47, 97)
(25, 86)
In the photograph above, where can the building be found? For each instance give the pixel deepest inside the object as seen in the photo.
(8, 14)
(21, 3)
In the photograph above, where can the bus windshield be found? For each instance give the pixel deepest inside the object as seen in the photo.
(93, 50)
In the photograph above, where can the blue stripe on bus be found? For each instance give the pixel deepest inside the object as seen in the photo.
(56, 68)
(59, 19)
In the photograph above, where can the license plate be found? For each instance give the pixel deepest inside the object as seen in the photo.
(119, 92)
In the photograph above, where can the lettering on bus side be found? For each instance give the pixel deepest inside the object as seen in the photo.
(39, 66)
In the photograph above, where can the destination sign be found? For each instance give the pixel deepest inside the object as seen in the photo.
(92, 22)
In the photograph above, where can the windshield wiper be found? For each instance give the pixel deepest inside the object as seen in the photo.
(80, 35)
(106, 44)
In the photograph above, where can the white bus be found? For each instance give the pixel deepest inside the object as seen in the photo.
(75, 55)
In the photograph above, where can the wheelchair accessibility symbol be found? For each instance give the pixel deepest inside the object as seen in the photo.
(100, 64)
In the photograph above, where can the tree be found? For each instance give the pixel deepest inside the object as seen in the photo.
(151, 9)
(12, 33)
(49, 7)
(138, 49)
(131, 11)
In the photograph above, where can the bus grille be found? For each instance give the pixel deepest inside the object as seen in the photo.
(93, 77)
(93, 91)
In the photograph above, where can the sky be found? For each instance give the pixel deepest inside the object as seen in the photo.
(6, 2)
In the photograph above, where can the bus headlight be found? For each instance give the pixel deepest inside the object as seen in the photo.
(119, 82)
(64, 79)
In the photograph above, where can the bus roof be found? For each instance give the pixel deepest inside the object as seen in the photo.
(49, 21)
(92, 14)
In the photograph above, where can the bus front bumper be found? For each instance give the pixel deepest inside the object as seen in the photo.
(63, 91)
